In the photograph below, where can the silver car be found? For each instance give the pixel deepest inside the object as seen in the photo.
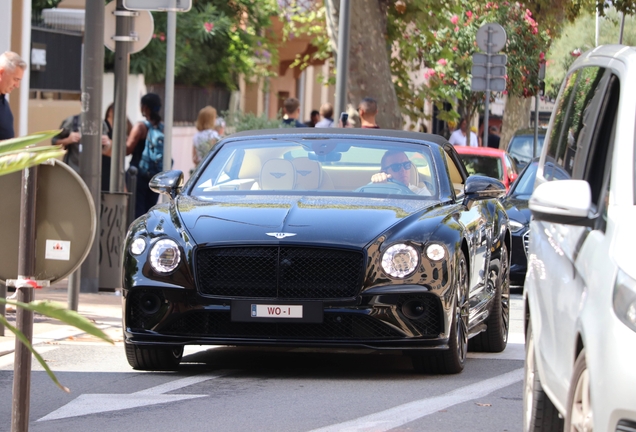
(580, 288)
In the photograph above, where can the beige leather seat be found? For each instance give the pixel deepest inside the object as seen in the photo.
(277, 174)
(308, 174)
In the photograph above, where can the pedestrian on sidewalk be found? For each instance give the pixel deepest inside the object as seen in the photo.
(12, 69)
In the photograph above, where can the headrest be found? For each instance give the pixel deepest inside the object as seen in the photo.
(308, 173)
(278, 174)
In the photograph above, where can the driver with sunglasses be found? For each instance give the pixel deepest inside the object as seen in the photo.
(396, 166)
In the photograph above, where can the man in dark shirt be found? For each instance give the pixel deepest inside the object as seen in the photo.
(493, 137)
(291, 108)
(11, 71)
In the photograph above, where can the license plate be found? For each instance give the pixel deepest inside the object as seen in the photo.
(277, 311)
(290, 311)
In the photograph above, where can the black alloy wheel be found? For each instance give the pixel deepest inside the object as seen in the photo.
(495, 337)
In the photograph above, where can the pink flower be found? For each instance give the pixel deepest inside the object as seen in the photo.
(162, 37)
(154, 35)
(429, 73)
(208, 26)
(454, 48)
(454, 19)
(469, 14)
(534, 30)
(456, 29)
(541, 56)
(442, 62)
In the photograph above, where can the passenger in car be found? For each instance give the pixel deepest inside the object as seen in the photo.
(397, 166)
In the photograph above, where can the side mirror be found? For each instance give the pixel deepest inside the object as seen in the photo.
(562, 201)
(167, 182)
(480, 187)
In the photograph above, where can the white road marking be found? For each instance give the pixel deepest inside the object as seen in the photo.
(96, 403)
(402, 414)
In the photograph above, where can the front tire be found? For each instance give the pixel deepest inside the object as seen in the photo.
(452, 360)
(539, 413)
(495, 338)
(154, 358)
(579, 417)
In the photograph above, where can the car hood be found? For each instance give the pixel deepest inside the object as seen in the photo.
(517, 208)
(326, 220)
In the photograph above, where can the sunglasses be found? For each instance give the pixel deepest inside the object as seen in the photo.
(396, 167)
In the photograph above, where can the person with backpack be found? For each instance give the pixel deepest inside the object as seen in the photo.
(145, 143)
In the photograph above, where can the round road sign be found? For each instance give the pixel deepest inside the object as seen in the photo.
(65, 221)
(497, 37)
(144, 27)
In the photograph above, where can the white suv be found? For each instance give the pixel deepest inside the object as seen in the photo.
(580, 288)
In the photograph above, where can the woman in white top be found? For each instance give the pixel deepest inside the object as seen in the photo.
(207, 136)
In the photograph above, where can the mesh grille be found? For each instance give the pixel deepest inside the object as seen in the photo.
(279, 272)
(430, 324)
(334, 327)
(526, 241)
(626, 426)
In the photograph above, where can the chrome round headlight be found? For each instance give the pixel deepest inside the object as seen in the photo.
(515, 226)
(435, 252)
(165, 256)
(400, 260)
(138, 246)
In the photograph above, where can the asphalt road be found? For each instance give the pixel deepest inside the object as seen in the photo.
(248, 389)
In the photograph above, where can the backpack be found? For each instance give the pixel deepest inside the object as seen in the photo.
(151, 161)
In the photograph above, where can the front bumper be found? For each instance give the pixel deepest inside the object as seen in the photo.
(411, 317)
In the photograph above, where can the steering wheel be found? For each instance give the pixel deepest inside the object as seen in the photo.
(391, 186)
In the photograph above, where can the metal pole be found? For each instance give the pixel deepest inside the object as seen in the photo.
(74, 289)
(487, 103)
(535, 142)
(122, 62)
(24, 318)
(620, 36)
(3, 294)
(342, 60)
(91, 128)
(169, 96)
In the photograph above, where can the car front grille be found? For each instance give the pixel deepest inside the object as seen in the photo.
(279, 272)
(334, 327)
(526, 241)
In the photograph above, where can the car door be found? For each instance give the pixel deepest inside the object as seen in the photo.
(557, 284)
(476, 220)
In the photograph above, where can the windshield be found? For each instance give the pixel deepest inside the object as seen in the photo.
(483, 165)
(520, 147)
(318, 166)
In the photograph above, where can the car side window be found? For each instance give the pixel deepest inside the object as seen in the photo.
(567, 135)
(455, 175)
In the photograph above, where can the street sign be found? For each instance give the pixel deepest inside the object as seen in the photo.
(144, 27)
(481, 71)
(491, 38)
(159, 5)
(495, 59)
(480, 84)
(65, 223)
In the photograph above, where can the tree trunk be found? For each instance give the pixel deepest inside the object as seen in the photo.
(516, 116)
(369, 72)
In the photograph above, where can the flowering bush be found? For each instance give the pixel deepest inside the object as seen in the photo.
(443, 57)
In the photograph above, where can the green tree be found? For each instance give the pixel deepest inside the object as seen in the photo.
(578, 37)
(444, 57)
(216, 42)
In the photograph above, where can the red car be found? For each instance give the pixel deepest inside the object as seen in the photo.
(490, 162)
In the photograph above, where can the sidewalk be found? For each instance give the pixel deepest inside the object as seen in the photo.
(103, 308)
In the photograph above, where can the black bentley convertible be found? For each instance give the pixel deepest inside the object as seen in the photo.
(321, 238)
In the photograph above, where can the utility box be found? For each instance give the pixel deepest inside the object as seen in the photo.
(112, 231)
